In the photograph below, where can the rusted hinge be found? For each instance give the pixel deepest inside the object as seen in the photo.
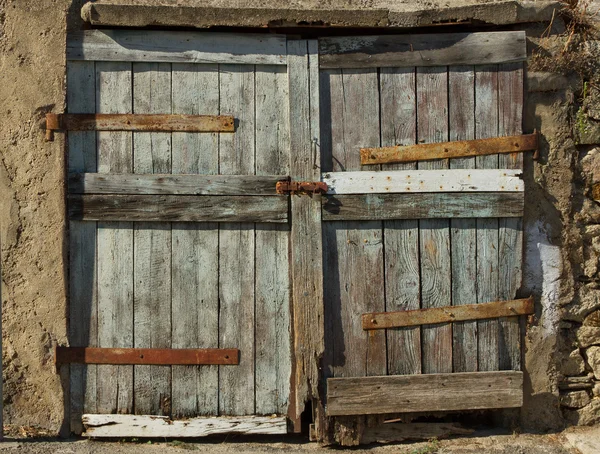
(301, 187)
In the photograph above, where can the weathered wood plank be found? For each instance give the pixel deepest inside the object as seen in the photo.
(422, 50)
(414, 181)
(83, 304)
(401, 237)
(163, 184)
(178, 208)
(454, 149)
(273, 361)
(146, 356)
(305, 239)
(486, 118)
(434, 234)
(195, 265)
(510, 235)
(422, 206)
(401, 431)
(447, 314)
(115, 245)
(152, 246)
(141, 122)
(463, 232)
(176, 47)
(237, 246)
(117, 426)
(417, 393)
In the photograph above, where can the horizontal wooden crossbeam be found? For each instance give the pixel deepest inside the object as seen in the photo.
(435, 315)
(355, 207)
(138, 122)
(146, 356)
(422, 50)
(424, 393)
(442, 150)
(167, 184)
(178, 208)
(414, 181)
(151, 426)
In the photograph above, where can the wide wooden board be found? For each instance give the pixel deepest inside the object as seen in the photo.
(176, 47)
(422, 50)
(424, 393)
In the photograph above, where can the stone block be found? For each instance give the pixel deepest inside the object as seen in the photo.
(573, 364)
(575, 399)
(588, 336)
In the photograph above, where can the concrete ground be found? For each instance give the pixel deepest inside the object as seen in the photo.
(573, 441)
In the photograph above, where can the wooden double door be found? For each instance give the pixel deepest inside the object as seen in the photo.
(228, 262)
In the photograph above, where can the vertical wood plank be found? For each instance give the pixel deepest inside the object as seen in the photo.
(354, 248)
(273, 336)
(432, 121)
(463, 232)
(305, 239)
(115, 245)
(195, 265)
(83, 309)
(401, 238)
(152, 245)
(486, 117)
(510, 234)
(237, 246)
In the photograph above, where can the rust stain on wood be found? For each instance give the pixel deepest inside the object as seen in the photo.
(146, 356)
(443, 150)
(382, 320)
(138, 122)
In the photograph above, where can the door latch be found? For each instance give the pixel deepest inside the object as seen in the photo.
(301, 187)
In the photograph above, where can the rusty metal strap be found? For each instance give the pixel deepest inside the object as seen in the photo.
(138, 122)
(443, 150)
(146, 356)
(382, 320)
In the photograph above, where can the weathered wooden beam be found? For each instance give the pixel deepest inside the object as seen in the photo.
(391, 432)
(415, 181)
(147, 356)
(424, 393)
(176, 47)
(178, 208)
(422, 206)
(117, 426)
(442, 150)
(168, 184)
(138, 123)
(422, 50)
(435, 315)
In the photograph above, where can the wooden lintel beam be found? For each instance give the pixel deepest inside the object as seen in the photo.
(138, 122)
(146, 356)
(435, 315)
(443, 150)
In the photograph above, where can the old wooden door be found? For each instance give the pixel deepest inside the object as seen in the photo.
(141, 277)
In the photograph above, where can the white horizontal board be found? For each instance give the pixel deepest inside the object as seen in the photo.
(176, 47)
(402, 181)
(163, 427)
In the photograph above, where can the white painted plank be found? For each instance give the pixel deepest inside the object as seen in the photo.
(115, 245)
(116, 426)
(402, 181)
(195, 298)
(176, 47)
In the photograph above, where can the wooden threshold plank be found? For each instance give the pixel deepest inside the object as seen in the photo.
(441, 49)
(176, 47)
(454, 149)
(414, 181)
(434, 315)
(166, 184)
(151, 426)
(422, 206)
(140, 122)
(424, 393)
(174, 208)
(147, 356)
